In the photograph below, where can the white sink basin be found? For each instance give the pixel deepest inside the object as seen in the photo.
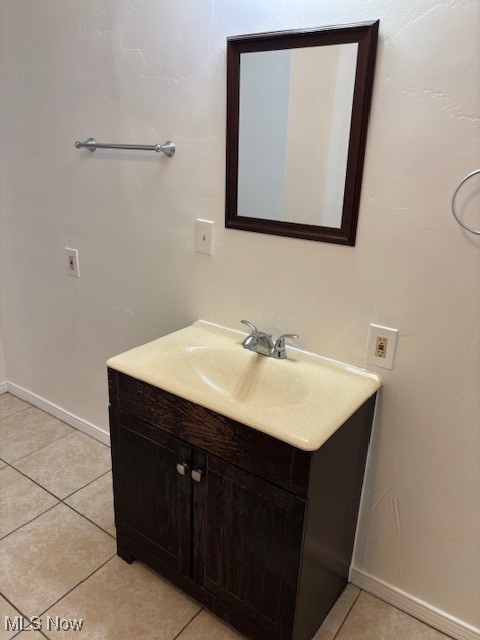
(301, 400)
(235, 376)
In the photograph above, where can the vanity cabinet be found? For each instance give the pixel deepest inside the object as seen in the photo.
(258, 531)
(154, 502)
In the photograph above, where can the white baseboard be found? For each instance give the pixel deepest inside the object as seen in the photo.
(56, 411)
(3, 387)
(414, 606)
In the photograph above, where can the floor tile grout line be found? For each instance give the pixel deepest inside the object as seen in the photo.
(77, 585)
(37, 483)
(50, 492)
(188, 623)
(59, 501)
(87, 518)
(86, 485)
(16, 609)
(93, 438)
(26, 523)
(30, 406)
(14, 606)
(45, 445)
(27, 629)
(56, 439)
(348, 613)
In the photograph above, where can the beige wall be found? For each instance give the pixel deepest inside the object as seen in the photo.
(150, 71)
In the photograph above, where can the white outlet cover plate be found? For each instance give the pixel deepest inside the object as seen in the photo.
(377, 331)
(203, 236)
(73, 255)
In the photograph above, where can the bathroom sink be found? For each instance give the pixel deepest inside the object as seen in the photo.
(235, 376)
(301, 400)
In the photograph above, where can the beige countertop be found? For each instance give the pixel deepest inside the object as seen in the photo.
(301, 400)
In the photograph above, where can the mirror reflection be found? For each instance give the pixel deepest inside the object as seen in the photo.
(295, 109)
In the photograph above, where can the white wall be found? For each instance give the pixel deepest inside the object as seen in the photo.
(149, 71)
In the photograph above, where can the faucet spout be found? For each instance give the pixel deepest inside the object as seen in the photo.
(250, 342)
(261, 342)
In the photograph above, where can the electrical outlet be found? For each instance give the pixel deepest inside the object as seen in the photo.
(203, 236)
(381, 346)
(73, 266)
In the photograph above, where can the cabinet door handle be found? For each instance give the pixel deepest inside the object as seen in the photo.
(197, 474)
(182, 467)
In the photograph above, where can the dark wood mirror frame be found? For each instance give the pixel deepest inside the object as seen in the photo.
(365, 34)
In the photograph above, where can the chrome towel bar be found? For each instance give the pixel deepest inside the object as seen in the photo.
(168, 148)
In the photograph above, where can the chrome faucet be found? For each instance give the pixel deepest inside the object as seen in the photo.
(262, 342)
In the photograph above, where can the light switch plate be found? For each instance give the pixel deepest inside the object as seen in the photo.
(73, 266)
(203, 236)
(381, 346)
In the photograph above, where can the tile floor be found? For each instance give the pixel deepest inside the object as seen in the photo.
(57, 551)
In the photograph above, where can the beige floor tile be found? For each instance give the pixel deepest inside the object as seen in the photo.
(96, 502)
(43, 560)
(125, 601)
(33, 634)
(2, 464)
(21, 500)
(338, 613)
(6, 609)
(10, 404)
(206, 626)
(37, 635)
(28, 430)
(373, 619)
(68, 464)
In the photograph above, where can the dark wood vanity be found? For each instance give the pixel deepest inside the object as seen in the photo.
(258, 531)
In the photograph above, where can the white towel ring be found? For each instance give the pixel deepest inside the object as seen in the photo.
(454, 203)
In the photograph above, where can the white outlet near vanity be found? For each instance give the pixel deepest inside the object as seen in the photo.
(381, 346)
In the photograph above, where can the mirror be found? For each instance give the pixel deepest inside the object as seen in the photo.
(297, 111)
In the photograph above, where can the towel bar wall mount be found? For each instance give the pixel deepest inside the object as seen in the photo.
(168, 148)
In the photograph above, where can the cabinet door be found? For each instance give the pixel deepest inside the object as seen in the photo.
(247, 542)
(152, 497)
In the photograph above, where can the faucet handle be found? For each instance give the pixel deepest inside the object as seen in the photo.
(288, 336)
(280, 344)
(250, 325)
